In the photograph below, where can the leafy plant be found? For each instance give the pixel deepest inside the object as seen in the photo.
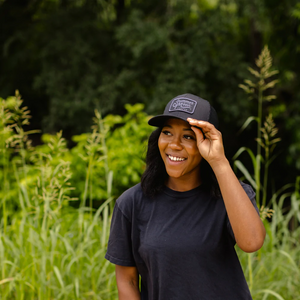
(267, 270)
(266, 130)
(125, 141)
(49, 250)
(14, 140)
(273, 273)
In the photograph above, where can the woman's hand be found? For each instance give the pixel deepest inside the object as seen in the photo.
(210, 144)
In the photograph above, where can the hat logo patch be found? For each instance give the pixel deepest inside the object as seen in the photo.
(183, 104)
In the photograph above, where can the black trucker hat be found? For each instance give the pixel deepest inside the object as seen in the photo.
(187, 106)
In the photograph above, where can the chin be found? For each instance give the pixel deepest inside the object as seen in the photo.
(174, 175)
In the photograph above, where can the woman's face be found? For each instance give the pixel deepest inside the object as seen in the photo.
(178, 149)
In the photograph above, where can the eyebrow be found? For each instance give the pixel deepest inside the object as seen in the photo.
(184, 129)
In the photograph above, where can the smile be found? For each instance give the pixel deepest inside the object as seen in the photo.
(174, 158)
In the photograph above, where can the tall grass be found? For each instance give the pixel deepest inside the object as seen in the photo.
(266, 130)
(273, 272)
(49, 250)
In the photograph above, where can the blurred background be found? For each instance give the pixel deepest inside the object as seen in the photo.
(68, 57)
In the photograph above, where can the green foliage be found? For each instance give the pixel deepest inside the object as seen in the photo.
(64, 262)
(69, 57)
(88, 166)
(266, 271)
(78, 55)
(14, 143)
(273, 272)
(126, 148)
(266, 135)
(47, 249)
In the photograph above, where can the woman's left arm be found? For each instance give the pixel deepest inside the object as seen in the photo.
(246, 224)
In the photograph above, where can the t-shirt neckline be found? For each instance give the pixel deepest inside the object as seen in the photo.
(185, 194)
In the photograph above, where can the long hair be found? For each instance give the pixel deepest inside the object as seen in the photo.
(155, 175)
(154, 178)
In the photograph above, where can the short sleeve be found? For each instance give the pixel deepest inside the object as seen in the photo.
(251, 194)
(119, 249)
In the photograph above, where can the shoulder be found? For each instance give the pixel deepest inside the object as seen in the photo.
(130, 199)
(248, 189)
(131, 194)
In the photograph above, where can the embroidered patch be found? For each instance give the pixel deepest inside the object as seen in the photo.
(183, 104)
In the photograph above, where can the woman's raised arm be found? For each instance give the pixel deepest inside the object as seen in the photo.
(247, 227)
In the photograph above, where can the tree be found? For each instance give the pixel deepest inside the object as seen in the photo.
(69, 57)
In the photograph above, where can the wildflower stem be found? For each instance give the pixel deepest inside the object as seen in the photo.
(250, 271)
(258, 153)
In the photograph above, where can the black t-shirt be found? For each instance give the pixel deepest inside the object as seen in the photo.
(181, 243)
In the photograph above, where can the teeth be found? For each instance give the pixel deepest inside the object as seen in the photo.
(173, 158)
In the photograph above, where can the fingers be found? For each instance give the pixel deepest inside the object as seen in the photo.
(199, 123)
(199, 134)
(209, 140)
(207, 128)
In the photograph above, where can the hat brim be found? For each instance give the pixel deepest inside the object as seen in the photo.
(160, 120)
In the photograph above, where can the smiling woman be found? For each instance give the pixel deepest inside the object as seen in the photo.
(178, 148)
(177, 229)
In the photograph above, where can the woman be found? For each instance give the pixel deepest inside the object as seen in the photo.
(176, 230)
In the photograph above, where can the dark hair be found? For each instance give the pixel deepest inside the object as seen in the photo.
(154, 178)
(155, 175)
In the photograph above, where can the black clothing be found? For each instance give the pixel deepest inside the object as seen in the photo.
(181, 243)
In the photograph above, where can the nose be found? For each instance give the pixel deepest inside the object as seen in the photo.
(175, 144)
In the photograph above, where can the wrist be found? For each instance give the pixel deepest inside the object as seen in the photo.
(220, 166)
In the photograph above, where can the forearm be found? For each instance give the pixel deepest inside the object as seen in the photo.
(128, 291)
(247, 227)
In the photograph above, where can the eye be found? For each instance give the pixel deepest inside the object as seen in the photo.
(166, 132)
(189, 137)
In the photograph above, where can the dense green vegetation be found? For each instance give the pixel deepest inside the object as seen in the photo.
(67, 57)
(56, 203)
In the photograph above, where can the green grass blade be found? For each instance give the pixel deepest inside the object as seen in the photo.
(245, 172)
